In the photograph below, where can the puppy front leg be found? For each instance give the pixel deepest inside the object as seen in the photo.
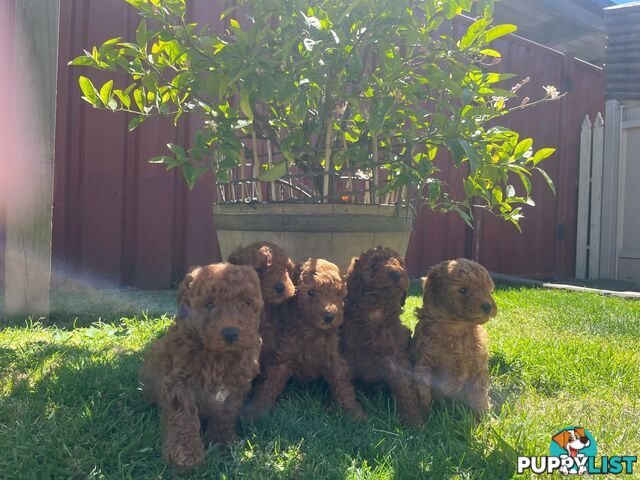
(182, 443)
(475, 393)
(338, 376)
(422, 384)
(275, 380)
(402, 388)
(221, 424)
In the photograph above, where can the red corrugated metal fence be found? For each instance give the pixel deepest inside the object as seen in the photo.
(120, 220)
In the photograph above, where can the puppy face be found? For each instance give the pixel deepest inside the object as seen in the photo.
(274, 267)
(381, 271)
(461, 290)
(572, 440)
(321, 293)
(221, 303)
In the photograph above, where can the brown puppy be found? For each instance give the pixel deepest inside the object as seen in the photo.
(203, 367)
(275, 269)
(450, 344)
(374, 342)
(308, 347)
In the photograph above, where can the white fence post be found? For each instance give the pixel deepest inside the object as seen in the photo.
(582, 230)
(590, 206)
(29, 227)
(597, 156)
(610, 190)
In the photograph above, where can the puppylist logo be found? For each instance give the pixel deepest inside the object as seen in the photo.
(573, 451)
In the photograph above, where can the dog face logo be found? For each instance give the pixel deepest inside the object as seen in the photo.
(574, 442)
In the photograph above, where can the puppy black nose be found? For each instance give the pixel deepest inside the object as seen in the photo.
(230, 335)
(395, 276)
(279, 287)
(486, 307)
(584, 440)
(328, 317)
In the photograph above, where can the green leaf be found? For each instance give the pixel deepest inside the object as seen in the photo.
(434, 192)
(228, 11)
(499, 31)
(141, 34)
(432, 151)
(542, 154)
(162, 159)
(278, 170)
(191, 173)
(124, 98)
(522, 148)
(547, 179)
(135, 122)
(90, 92)
(523, 174)
(105, 92)
(472, 155)
(497, 194)
(181, 154)
(139, 98)
(83, 61)
(473, 32)
(245, 104)
(490, 53)
(380, 110)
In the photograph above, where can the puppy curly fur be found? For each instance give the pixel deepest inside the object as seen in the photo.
(450, 344)
(374, 341)
(308, 346)
(275, 269)
(203, 367)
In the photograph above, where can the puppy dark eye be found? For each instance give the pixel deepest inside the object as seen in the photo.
(463, 290)
(311, 293)
(248, 303)
(209, 306)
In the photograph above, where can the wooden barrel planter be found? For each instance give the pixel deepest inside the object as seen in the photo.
(334, 232)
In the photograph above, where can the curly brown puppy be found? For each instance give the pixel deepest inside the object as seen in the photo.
(203, 367)
(450, 343)
(374, 341)
(308, 347)
(275, 269)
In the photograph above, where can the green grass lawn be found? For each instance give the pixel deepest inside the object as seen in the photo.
(70, 405)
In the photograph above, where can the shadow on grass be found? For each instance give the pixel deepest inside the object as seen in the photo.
(312, 440)
(84, 411)
(506, 379)
(78, 308)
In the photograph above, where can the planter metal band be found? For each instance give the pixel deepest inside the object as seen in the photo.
(334, 222)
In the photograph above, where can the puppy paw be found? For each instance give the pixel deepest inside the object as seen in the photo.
(411, 419)
(253, 412)
(221, 437)
(184, 456)
(356, 412)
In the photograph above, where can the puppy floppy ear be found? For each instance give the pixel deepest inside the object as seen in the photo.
(291, 268)
(352, 277)
(296, 273)
(351, 267)
(430, 283)
(266, 256)
(237, 258)
(182, 297)
(562, 438)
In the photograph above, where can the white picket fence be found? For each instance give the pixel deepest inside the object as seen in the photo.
(590, 199)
